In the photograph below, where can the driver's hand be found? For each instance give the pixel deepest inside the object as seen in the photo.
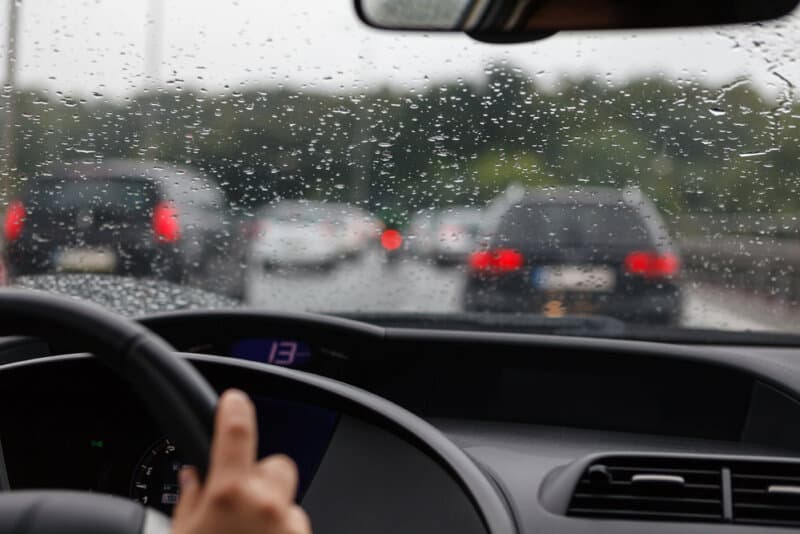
(240, 495)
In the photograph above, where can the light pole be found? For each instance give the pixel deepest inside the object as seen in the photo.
(7, 145)
(154, 36)
(361, 165)
(155, 42)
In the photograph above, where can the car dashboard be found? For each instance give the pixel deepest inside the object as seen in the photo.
(398, 429)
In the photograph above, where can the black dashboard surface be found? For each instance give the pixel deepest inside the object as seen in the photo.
(715, 393)
(521, 406)
(524, 406)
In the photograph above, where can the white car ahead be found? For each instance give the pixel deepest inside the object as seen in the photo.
(296, 234)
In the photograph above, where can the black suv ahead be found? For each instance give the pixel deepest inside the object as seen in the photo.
(580, 251)
(122, 217)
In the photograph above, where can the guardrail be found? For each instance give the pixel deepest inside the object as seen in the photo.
(737, 224)
(764, 266)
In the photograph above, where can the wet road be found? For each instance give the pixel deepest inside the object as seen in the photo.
(369, 283)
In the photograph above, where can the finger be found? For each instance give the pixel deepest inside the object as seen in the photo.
(297, 521)
(233, 449)
(190, 492)
(280, 472)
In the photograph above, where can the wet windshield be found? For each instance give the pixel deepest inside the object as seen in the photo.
(293, 159)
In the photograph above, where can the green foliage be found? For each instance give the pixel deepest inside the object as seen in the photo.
(694, 149)
(496, 169)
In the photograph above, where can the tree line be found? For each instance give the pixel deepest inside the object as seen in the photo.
(694, 149)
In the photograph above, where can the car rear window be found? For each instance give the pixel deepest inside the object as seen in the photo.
(576, 225)
(131, 196)
(469, 222)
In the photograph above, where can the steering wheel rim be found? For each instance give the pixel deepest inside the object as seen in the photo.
(177, 396)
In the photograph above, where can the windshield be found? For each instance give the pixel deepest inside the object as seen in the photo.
(290, 157)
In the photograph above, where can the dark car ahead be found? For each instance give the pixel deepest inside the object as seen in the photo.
(120, 217)
(571, 252)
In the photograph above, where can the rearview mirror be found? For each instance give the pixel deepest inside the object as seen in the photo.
(541, 17)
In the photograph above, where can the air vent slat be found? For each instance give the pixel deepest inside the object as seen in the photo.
(783, 508)
(674, 516)
(645, 498)
(651, 489)
(627, 484)
(762, 493)
(758, 495)
(770, 478)
(693, 488)
(639, 469)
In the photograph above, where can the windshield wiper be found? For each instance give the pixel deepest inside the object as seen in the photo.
(596, 325)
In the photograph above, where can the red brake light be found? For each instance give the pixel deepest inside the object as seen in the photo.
(391, 239)
(165, 223)
(496, 261)
(652, 265)
(253, 229)
(15, 218)
(480, 261)
(667, 265)
(508, 260)
(638, 262)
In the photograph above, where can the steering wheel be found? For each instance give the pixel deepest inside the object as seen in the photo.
(179, 398)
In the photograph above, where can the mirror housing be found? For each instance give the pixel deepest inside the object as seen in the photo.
(519, 20)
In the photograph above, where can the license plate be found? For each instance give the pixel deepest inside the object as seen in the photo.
(86, 261)
(590, 279)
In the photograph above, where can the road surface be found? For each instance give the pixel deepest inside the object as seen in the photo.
(369, 283)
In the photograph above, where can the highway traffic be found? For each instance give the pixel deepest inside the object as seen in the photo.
(554, 253)
(370, 283)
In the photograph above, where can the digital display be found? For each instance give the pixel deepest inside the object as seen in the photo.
(299, 430)
(275, 351)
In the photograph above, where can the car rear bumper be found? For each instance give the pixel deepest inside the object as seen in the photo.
(269, 261)
(161, 261)
(661, 304)
(298, 255)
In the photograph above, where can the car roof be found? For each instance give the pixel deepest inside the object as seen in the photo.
(459, 211)
(633, 198)
(120, 167)
(581, 195)
(516, 195)
(283, 207)
(179, 183)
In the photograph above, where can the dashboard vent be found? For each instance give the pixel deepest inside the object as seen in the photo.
(670, 489)
(766, 493)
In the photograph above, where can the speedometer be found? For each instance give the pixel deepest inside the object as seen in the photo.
(155, 478)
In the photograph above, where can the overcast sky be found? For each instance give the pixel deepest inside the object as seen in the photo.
(87, 46)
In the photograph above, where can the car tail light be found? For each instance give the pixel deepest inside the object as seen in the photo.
(15, 219)
(165, 223)
(253, 229)
(496, 261)
(391, 239)
(651, 264)
(256, 229)
(327, 229)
